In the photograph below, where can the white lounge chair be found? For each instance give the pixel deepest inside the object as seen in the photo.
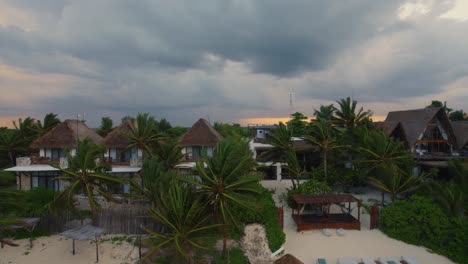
(409, 260)
(367, 260)
(327, 232)
(348, 261)
(388, 260)
(341, 232)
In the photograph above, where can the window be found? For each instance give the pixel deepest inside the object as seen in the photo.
(196, 152)
(45, 179)
(123, 156)
(56, 154)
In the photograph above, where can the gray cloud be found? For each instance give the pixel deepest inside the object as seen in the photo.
(233, 59)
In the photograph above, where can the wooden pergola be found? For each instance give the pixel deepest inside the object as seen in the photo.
(325, 219)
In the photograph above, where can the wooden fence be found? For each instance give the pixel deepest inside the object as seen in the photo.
(117, 219)
(126, 219)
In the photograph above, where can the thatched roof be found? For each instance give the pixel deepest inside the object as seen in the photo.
(116, 138)
(200, 134)
(387, 127)
(460, 128)
(288, 259)
(66, 135)
(414, 122)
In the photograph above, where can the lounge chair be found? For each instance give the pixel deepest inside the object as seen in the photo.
(409, 260)
(388, 260)
(327, 232)
(348, 261)
(367, 260)
(321, 261)
(341, 232)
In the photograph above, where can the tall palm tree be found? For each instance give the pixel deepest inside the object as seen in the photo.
(346, 116)
(187, 220)
(50, 121)
(325, 112)
(85, 174)
(12, 144)
(143, 134)
(226, 180)
(26, 128)
(322, 134)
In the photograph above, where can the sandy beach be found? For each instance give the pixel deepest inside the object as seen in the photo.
(58, 250)
(312, 244)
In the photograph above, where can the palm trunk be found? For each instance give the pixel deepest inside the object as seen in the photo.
(12, 158)
(325, 170)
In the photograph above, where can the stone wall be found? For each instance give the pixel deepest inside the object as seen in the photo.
(23, 181)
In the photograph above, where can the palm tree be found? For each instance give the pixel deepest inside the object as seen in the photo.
(26, 128)
(283, 151)
(449, 196)
(325, 112)
(452, 196)
(376, 151)
(143, 134)
(436, 103)
(281, 140)
(187, 221)
(396, 182)
(50, 121)
(12, 144)
(346, 115)
(106, 126)
(322, 134)
(154, 181)
(85, 174)
(226, 180)
(169, 153)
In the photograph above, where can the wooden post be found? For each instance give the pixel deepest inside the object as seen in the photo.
(139, 247)
(97, 250)
(73, 243)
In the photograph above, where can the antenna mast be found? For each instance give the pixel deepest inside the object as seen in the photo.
(290, 98)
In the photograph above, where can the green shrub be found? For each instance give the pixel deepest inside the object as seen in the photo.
(309, 187)
(264, 212)
(7, 179)
(35, 202)
(421, 222)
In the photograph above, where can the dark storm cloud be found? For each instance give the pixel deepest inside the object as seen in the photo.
(231, 57)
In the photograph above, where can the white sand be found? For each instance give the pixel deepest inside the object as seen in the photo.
(309, 245)
(58, 250)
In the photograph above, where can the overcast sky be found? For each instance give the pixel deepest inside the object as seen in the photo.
(228, 60)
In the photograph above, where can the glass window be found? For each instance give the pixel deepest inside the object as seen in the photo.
(45, 179)
(57, 153)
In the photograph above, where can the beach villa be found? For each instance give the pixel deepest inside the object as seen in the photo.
(427, 132)
(201, 137)
(460, 128)
(36, 171)
(124, 162)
